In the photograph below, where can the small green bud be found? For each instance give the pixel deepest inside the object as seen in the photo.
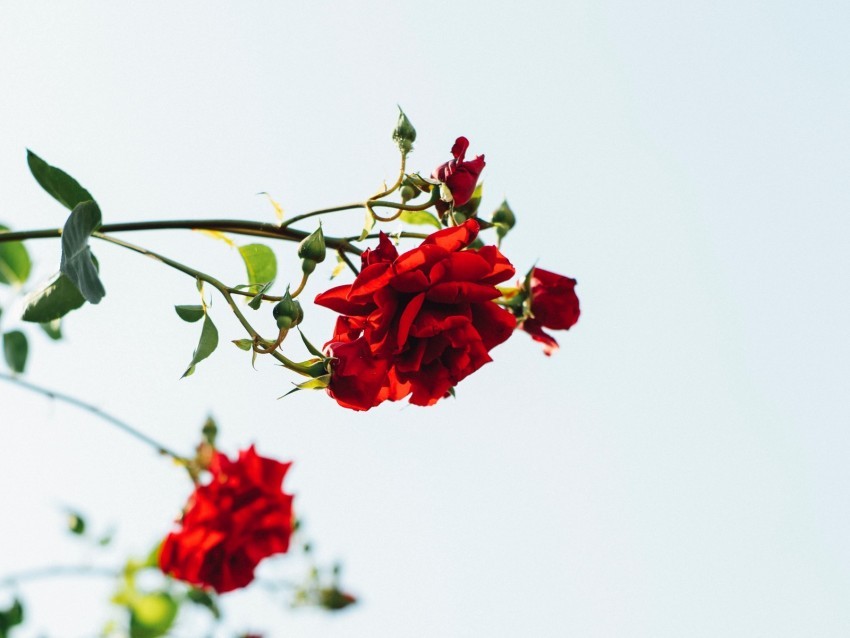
(312, 247)
(209, 430)
(503, 220)
(287, 312)
(404, 133)
(408, 189)
(504, 216)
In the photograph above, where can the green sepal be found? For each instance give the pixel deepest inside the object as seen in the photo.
(317, 383)
(204, 598)
(310, 347)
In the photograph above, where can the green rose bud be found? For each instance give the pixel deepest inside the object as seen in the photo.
(404, 133)
(287, 312)
(312, 250)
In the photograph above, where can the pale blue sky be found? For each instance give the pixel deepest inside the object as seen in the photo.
(678, 469)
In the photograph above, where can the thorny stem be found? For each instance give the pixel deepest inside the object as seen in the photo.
(121, 425)
(215, 283)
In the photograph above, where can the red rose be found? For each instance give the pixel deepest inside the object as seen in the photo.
(416, 323)
(460, 177)
(554, 305)
(231, 523)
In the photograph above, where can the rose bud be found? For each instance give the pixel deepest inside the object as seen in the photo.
(458, 176)
(554, 305)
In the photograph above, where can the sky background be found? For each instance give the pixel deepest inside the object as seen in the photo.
(679, 468)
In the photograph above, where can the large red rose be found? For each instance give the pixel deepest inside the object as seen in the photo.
(418, 323)
(231, 523)
(554, 305)
(459, 176)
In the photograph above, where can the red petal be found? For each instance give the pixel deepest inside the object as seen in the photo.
(455, 238)
(459, 148)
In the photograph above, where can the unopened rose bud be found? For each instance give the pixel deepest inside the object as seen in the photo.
(312, 247)
(404, 133)
(287, 312)
(504, 218)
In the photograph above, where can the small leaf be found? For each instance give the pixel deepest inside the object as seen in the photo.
(64, 188)
(310, 347)
(420, 218)
(368, 225)
(151, 615)
(257, 300)
(340, 266)
(260, 263)
(190, 313)
(52, 329)
(243, 344)
(204, 599)
(15, 263)
(15, 350)
(209, 430)
(206, 346)
(53, 300)
(77, 262)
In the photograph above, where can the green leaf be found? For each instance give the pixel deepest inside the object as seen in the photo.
(64, 188)
(420, 218)
(206, 346)
(190, 313)
(257, 300)
(243, 344)
(15, 263)
(56, 298)
(260, 263)
(52, 329)
(151, 615)
(77, 262)
(15, 349)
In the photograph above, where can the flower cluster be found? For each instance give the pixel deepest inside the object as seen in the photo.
(231, 523)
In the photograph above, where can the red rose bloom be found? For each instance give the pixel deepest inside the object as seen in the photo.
(416, 323)
(231, 524)
(554, 305)
(458, 175)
